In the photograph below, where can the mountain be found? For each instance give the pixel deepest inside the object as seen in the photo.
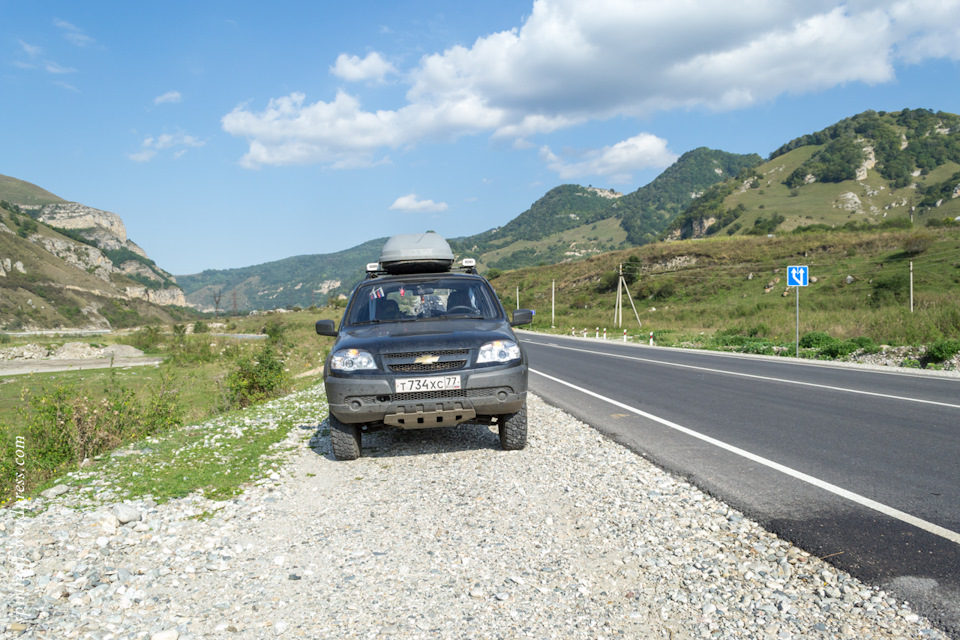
(63, 264)
(872, 169)
(646, 212)
(559, 226)
(875, 168)
(569, 222)
(299, 281)
(572, 222)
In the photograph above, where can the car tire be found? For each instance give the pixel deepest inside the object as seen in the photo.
(345, 439)
(513, 430)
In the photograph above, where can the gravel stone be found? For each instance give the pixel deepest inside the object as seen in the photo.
(125, 513)
(53, 492)
(431, 534)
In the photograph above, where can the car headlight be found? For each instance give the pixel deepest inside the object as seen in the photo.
(499, 351)
(352, 360)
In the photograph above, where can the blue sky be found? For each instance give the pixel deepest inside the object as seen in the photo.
(227, 134)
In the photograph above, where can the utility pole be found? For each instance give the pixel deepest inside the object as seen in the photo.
(911, 286)
(621, 288)
(553, 305)
(618, 309)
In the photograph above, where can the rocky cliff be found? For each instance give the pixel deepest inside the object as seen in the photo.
(66, 265)
(99, 245)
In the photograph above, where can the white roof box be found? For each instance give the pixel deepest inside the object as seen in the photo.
(416, 253)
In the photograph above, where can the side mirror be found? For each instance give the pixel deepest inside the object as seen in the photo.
(326, 328)
(521, 316)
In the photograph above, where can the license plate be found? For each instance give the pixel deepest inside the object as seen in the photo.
(433, 383)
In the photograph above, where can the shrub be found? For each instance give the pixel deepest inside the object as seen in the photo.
(608, 282)
(918, 243)
(145, 338)
(258, 377)
(275, 330)
(866, 344)
(200, 327)
(63, 427)
(191, 350)
(837, 349)
(943, 349)
(891, 288)
(816, 340)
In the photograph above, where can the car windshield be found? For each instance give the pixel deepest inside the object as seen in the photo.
(443, 297)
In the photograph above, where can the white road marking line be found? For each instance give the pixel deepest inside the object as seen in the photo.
(826, 486)
(754, 376)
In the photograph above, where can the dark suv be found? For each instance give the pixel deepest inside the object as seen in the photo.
(423, 345)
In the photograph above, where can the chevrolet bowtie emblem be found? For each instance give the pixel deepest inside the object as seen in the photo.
(428, 359)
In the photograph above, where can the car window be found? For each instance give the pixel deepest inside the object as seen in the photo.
(443, 297)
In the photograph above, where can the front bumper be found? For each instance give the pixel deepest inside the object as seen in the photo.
(372, 400)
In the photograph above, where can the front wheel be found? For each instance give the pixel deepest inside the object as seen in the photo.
(513, 430)
(345, 439)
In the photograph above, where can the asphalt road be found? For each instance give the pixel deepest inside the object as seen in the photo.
(857, 466)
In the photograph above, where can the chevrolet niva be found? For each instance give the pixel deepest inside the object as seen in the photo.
(424, 344)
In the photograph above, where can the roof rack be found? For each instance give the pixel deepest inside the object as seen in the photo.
(376, 270)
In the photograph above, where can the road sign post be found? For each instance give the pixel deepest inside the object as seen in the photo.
(798, 276)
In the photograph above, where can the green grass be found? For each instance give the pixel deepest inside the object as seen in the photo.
(197, 369)
(572, 244)
(217, 456)
(705, 286)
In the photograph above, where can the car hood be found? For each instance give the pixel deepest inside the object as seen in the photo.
(424, 335)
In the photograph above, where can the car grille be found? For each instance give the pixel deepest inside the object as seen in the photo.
(451, 394)
(449, 360)
(438, 366)
(442, 395)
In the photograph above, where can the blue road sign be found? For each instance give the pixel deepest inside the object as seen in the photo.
(798, 276)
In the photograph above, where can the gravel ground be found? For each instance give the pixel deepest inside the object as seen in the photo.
(433, 534)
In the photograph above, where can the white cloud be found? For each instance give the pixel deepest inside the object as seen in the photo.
(34, 55)
(571, 62)
(74, 34)
(353, 69)
(410, 203)
(30, 50)
(618, 162)
(169, 96)
(53, 67)
(179, 143)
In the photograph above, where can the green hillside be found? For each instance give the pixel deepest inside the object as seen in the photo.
(646, 212)
(545, 232)
(20, 192)
(300, 281)
(571, 222)
(868, 170)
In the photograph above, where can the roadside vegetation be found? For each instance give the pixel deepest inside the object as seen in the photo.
(209, 369)
(730, 293)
